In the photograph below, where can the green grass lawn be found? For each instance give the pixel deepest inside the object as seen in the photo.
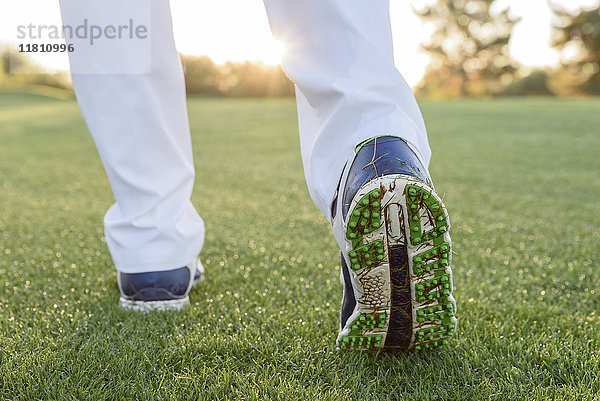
(520, 179)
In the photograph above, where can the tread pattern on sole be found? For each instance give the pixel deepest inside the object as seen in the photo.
(365, 217)
(435, 311)
(413, 256)
(356, 339)
(399, 331)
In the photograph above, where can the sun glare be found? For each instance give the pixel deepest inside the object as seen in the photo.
(272, 52)
(211, 28)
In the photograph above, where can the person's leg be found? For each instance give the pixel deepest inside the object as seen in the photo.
(357, 114)
(139, 124)
(339, 54)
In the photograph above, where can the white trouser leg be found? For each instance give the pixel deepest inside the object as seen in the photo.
(140, 126)
(339, 54)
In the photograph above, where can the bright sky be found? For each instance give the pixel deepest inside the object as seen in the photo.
(238, 30)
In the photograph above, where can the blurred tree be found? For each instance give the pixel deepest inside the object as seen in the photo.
(246, 79)
(580, 35)
(564, 81)
(469, 48)
(202, 76)
(533, 84)
(19, 70)
(249, 79)
(14, 62)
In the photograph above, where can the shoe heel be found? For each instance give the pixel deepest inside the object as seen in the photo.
(399, 259)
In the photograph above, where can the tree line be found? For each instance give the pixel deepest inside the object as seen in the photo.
(245, 79)
(469, 52)
(202, 76)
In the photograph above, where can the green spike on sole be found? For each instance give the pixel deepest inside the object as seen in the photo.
(365, 218)
(359, 336)
(416, 198)
(435, 287)
(367, 255)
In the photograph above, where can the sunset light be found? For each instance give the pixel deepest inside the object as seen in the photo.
(238, 30)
